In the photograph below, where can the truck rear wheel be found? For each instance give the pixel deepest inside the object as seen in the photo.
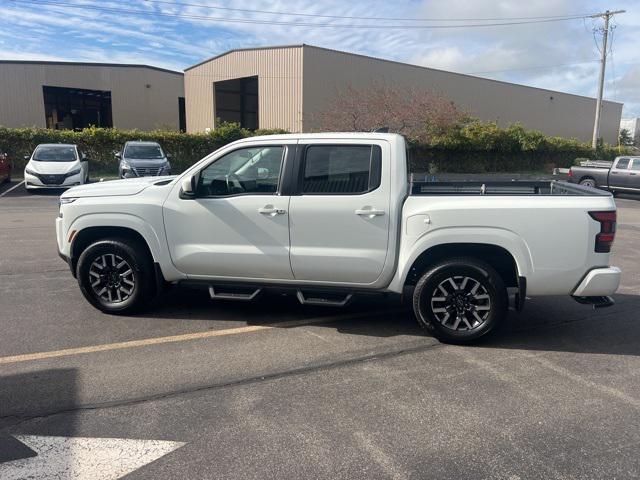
(116, 276)
(460, 300)
(588, 182)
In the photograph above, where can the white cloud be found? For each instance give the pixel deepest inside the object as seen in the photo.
(73, 34)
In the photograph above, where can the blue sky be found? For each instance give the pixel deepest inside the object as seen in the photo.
(556, 55)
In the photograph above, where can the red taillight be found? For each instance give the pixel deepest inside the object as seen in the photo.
(570, 174)
(607, 234)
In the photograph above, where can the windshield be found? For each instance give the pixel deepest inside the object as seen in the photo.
(55, 153)
(143, 152)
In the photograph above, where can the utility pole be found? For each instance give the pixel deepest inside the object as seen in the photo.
(603, 63)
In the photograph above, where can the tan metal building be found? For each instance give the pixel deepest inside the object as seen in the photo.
(283, 87)
(68, 95)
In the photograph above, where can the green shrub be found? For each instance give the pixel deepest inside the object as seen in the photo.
(477, 147)
(101, 144)
(470, 146)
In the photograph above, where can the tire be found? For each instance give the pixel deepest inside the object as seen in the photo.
(116, 276)
(588, 182)
(474, 309)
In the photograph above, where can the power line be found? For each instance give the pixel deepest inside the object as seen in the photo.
(347, 17)
(293, 24)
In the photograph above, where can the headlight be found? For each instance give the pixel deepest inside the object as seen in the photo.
(125, 165)
(65, 200)
(30, 172)
(73, 172)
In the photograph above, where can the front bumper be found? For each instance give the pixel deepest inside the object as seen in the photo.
(599, 282)
(33, 182)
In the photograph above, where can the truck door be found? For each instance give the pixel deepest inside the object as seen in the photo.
(619, 173)
(634, 174)
(339, 213)
(238, 223)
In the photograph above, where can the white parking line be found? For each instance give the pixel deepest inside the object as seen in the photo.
(11, 189)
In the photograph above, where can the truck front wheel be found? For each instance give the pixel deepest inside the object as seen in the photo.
(116, 276)
(460, 300)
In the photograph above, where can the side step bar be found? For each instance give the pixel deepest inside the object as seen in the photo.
(234, 293)
(248, 293)
(323, 298)
(597, 302)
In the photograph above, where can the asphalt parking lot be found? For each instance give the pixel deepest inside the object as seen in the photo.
(277, 390)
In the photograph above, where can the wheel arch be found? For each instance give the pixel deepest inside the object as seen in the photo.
(497, 256)
(85, 237)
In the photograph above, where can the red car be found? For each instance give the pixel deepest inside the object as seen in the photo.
(5, 168)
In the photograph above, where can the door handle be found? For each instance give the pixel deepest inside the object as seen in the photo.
(271, 210)
(614, 173)
(633, 174)
(369, 212)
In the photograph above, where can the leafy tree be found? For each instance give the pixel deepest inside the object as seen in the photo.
(625, 138)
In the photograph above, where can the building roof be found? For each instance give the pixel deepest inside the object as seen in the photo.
(404, 64)
(89, 64)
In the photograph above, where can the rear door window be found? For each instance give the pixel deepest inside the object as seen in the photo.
(341, 169)
(636, 164)
(623, 164)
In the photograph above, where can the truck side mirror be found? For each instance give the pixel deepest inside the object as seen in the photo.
(188, 187)
(168, 155)
(118, 155)
(27, 157)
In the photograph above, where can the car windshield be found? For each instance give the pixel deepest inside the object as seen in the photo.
(144, 152)
(62, 153)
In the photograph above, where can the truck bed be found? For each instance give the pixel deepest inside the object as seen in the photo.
(550, 188)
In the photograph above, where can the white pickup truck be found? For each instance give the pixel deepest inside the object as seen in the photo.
(330, 216)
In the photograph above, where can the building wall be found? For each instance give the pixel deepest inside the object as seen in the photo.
(133, 104)
(279, 72)
(554, 113)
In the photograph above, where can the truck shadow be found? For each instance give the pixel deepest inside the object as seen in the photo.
(550, 323)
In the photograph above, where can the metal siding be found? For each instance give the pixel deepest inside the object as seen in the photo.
(326, 71)
(132, 104)
(279, 72)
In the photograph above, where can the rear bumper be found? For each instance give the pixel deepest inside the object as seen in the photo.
(599, 282)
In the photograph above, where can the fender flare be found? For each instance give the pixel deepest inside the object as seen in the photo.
(503, 238)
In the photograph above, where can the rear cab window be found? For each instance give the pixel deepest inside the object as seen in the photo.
(340, 169)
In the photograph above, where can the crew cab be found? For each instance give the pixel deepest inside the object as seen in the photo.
(621, 175)
(334, 215)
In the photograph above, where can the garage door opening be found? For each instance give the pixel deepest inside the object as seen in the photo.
(76, 108)
(237, 101)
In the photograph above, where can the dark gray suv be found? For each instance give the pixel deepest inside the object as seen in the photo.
(143, 159)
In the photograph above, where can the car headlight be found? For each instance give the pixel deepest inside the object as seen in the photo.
(30, 172)
(167, 167)
(125, 165)
(65, 200)
(74, 172)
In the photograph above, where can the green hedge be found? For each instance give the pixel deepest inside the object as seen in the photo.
(485, 147)
(100, 144)
(472, 147)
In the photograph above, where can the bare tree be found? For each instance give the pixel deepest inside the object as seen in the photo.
(415, 113)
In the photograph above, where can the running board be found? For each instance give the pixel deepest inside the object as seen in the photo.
(324, 298)
(245, 294)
